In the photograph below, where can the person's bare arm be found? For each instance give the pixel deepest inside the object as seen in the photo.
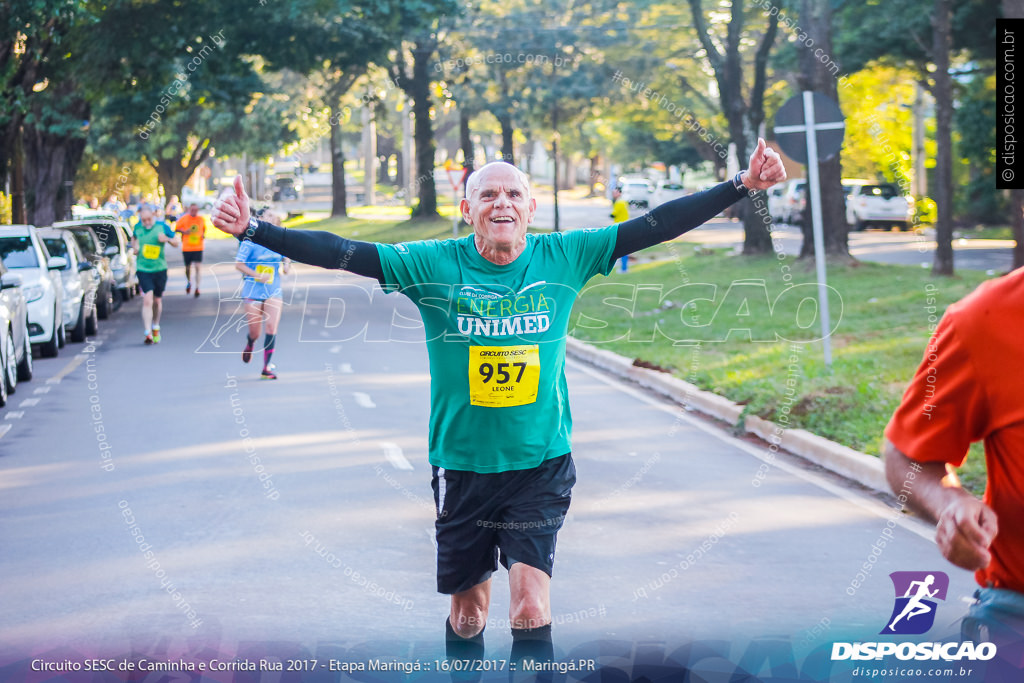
(964, 525)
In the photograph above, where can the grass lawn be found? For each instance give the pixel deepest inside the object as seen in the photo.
(714, 319)
(988, 232)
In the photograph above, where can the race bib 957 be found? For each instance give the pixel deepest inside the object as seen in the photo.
(503, 376)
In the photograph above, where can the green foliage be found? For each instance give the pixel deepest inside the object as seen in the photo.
(978, 200)
(876, 102)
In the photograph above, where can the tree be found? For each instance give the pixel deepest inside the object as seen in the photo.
(923, 34)
(413, 76)
(942, 90)
(819, 76)
(33, 47)
(744, 115)
(341, 39)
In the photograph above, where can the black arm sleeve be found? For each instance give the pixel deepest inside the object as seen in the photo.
(672, 219)
(319, 248)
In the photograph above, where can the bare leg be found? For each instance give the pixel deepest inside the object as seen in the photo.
(147, 311)
(469, 610)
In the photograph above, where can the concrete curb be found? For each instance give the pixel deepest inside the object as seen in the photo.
(859, 467)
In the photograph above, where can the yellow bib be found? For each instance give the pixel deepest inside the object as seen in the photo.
(503, 376)
(261, 269)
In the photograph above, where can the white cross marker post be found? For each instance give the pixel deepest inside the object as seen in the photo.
(809, 128)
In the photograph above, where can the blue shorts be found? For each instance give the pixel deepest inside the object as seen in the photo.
(503, 516)
(997, 615)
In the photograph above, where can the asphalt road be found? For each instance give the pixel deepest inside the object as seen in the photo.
(135, 518)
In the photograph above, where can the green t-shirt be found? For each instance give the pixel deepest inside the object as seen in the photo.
(496, 342)
(151, 250)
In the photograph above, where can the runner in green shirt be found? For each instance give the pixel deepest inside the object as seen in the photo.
(495, 308)
(149, 240)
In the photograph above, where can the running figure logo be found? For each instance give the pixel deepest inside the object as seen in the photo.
(916, 596)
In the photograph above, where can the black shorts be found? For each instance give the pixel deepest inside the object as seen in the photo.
(154, 282)
(192, 257)
(507, 516)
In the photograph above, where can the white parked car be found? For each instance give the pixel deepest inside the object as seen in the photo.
(81, 282)
(667, 190)
(794, 201)
(22, 251)
(636, 192)
(777, 202)
(881, 204)
(15, 346)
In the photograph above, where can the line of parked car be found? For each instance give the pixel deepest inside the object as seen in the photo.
(643, 194)
(58, 282)
(868, 204)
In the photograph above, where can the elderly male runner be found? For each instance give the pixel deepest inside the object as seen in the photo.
(495, 307)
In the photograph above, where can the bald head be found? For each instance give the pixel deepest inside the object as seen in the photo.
(475, 180)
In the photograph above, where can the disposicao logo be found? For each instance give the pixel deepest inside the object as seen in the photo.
(913, 613)
(917, 594)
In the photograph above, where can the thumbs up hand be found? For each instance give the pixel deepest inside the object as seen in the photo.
(765, 168)
(231, 210)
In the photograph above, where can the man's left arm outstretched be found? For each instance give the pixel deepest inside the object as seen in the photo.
(672, 219)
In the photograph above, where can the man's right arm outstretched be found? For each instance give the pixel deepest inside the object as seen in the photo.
(314, 247)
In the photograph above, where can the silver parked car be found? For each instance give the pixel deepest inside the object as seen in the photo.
(15, 344)
(114, 236)
(81, 283)
(106, 297)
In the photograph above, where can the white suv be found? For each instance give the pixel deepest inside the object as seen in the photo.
(23, 252)
(636, 192)
(880, 204)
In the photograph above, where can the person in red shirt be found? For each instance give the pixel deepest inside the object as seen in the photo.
(192, 227)
(968, 388)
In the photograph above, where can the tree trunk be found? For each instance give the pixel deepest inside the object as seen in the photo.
(468, 151)
(50, 162)
(173, 176)
(942, 91)
(339, 197)
(594, 175)
(419, 90)
(507, 148)
(19, 215)
(816, 18)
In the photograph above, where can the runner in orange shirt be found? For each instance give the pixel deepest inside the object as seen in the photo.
(967, 389)
(192, 227)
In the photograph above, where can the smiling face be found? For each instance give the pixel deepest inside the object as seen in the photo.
(499, 207)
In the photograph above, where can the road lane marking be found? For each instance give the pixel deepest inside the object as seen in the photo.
(346, 368)
(363, 400)
(876, 508)
(4, 429)
(74, 363)
(393, 453)
(14, 415)
(335, 349)
(42, 390)
(28, 403)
